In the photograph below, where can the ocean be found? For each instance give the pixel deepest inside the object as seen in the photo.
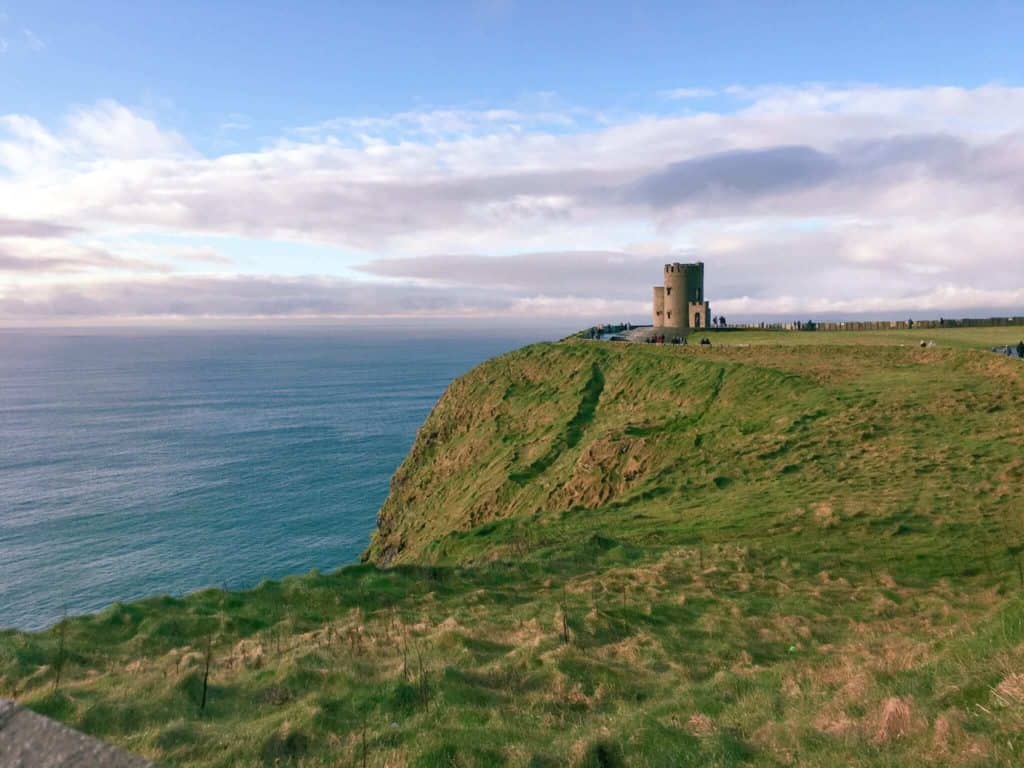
(136, 464)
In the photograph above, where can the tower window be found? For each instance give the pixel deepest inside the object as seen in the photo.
(668, 291)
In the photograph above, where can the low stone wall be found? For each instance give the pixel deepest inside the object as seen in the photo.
(641, 332)
(882, 325)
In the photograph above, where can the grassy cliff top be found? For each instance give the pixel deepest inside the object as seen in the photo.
(790, 549)
(720, 442)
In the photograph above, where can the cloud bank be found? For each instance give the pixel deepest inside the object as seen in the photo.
(799, 199)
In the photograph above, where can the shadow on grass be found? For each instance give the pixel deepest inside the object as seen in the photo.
(574, 430)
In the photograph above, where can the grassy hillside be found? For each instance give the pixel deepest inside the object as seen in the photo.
(724, 442)
(762, 554)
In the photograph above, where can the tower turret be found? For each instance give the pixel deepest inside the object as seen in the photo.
(676, 302)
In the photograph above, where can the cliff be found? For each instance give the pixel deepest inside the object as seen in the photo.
(692, 439)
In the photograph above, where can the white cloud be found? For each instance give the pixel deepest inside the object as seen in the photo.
(688, 93)
(436, 125)
(42, 260)
(270, 296)
(32, 40)
(946, 298)
(23, 228)
(110, 131)
(801, 195)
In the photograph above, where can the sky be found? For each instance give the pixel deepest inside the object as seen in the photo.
(175, 162)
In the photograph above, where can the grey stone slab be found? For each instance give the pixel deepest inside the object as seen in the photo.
(28, 740)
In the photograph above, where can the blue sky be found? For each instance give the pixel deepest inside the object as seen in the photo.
(201, 65)
(176, 159)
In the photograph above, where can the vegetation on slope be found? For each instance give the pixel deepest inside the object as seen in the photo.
(621, 555)
(724, 442)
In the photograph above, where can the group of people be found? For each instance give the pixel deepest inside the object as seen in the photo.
(600, 331)
(660, 339)
(1010, 350)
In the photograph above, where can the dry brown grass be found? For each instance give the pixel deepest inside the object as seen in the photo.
(700, 725)
(895, 720)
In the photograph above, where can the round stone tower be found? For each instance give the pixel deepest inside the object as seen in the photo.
(676, 296)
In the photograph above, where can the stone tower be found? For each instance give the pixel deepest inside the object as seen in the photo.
(679, 303)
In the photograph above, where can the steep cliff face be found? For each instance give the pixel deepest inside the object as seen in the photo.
(620, 431)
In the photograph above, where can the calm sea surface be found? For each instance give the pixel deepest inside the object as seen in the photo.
(133, 465)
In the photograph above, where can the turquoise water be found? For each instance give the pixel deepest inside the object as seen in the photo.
(133, 465)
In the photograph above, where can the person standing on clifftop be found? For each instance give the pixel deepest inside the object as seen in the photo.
(1020, 349)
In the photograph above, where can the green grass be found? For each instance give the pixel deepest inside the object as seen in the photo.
(957, 338)
(794, 553)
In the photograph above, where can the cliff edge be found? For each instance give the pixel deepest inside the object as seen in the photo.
(610, 432)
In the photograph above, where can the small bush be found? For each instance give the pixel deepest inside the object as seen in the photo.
(404, 698)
